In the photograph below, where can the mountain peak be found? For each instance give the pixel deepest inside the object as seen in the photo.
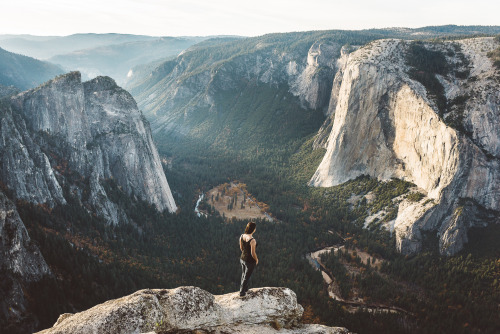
(74, 77)
(101, 83)
(91, 122)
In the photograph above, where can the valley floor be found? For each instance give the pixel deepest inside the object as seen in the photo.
(233, 201)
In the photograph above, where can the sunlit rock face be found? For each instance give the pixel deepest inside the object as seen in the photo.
(93, 129)
(186, 309)
(386, 125)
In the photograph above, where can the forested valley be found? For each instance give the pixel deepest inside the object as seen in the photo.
(94, 262)
(262, 136)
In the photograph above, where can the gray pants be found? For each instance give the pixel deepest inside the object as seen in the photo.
(246, 271)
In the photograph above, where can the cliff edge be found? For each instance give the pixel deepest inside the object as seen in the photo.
(186, 309)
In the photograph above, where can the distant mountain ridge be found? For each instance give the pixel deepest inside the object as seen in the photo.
(116, 60)
(211, 87)
(212, 79)
(442, 31)
(25, 72)
(46, 47)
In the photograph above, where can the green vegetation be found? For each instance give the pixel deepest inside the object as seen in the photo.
(166, 251)
(430, 288)
(338, 270)
(415, 197)
(445, 307)
(259, 135)
(256, 117)
(426, 63)
(456, 118)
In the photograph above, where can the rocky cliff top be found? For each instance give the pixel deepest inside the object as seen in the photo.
(101, 83)
(186, 309)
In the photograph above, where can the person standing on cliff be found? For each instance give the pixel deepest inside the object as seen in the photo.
(248, 258)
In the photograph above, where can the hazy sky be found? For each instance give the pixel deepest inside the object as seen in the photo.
(234, 17)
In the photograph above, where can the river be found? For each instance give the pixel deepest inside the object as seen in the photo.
(314, 259)
(198, 212)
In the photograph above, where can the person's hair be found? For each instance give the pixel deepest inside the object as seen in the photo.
(250, 227)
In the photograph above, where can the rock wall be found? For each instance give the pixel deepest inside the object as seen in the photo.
(313, 85)
(21, 263)
(188, 309)
(25, 169)
(321, 139)
(386, 125)
(95, 129)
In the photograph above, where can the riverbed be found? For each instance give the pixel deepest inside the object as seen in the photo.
(314, 259)
(353, 306)
(196, 209)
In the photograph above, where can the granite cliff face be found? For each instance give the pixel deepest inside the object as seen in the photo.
(21, 263)
(387, 124)
(191, 309)
(308, 76)
(66, 137)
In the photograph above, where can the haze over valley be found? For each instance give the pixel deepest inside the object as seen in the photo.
(369, 160)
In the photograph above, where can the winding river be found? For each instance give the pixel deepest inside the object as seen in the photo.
(314, 259)
(198, 212)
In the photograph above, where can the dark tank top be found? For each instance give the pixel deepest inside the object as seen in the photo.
(246, 254)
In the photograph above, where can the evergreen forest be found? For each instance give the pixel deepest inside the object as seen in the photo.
(94, 262)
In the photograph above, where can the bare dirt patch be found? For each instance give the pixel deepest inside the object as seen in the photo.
(366, 258)
(234, 202)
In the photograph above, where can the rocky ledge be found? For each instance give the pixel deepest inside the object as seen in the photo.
(191, 309)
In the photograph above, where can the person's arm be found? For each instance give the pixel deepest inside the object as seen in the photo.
(253, 243)
(241, 244)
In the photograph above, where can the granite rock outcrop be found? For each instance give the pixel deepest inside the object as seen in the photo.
(387, 124)
(66, 130)
(189, 309)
